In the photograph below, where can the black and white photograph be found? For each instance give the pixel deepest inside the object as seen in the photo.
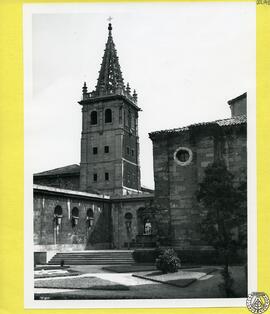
(140, 143)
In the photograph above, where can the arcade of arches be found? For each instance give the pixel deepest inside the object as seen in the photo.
(92, 222)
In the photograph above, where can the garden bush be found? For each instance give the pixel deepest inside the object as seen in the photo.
(168, 262)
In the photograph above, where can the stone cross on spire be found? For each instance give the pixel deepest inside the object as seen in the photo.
(110, 80)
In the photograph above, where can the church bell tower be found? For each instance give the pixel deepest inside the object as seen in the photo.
(109, 140)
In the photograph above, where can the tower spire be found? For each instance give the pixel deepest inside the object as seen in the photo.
(110, 80)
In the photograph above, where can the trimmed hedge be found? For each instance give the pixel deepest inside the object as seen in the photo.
(196, 257)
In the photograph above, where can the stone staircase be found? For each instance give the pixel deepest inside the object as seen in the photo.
(101, 257)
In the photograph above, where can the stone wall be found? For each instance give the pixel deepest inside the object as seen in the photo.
(130, 147)
(176, 185)
(121, 236)
(119, 135)
(45, 228)
(100, 135)
(235, 152)
(130, 175)
(238, 105)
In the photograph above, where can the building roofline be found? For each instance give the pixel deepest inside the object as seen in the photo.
(73, 169)
(53, 175)
(231, 101)
(49, 189)
(132, 197)
(234, 121)
(71, 193)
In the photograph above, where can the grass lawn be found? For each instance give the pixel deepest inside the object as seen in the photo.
(47, 267)
(205, 287)
(129, 268)
(79, 283)
(182, 278)
(137, 268)
(51, 273)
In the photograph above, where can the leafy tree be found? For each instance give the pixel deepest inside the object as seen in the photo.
(224, 206)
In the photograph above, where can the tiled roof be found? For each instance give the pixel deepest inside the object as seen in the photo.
(70, 169)
(237, 120)
(54, 190)
(232, 121)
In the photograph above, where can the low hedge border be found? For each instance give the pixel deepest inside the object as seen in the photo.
(198, 257)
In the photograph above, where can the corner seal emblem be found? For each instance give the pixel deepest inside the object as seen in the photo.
(257, 302)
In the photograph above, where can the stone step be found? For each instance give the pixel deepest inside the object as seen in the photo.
(93, 258)
(91, 263)
(89, 256)
(103, 254)
(94, 254)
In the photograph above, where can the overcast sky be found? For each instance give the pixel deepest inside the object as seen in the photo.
(185, 60)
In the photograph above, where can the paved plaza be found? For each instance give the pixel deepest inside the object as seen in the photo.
(129, 286)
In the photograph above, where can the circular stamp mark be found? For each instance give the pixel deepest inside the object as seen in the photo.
(257, 302)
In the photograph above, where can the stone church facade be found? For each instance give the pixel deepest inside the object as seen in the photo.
(180, 158)
(101, 204)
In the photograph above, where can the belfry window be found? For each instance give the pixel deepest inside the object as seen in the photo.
(74, 217)
(129, 119)
(132, 122)
(108, 115)
(93, 117)
(106, 176)
(120, 115)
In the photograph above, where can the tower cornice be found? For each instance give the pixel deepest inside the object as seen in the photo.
(88, 101)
